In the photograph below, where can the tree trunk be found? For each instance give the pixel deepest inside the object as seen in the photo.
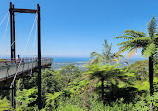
(112, 93)
(151, 72)
(102, 88)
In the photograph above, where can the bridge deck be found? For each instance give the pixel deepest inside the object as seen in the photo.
(9, 68)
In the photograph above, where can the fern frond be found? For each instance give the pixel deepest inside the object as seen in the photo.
(93, 54)
(131, 53)
(133, 33)
(149, 50)
(152, 27)
(124, 37)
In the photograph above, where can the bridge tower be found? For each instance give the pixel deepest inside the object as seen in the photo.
(12, 11)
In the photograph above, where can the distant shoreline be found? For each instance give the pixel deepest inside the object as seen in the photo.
(71, 62)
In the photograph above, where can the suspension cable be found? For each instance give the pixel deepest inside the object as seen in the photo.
(8, 49)
(24, 51)
(34, 55)
(4, 18)
(45, 48)
(35, 36)
(4, 36)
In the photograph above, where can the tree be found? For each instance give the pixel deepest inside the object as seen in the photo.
(140, 68)
(98, 58)
(51, 81)
(117, 57)
(69, 73)
(136, 40)
(106, 52)
(104, 73)
(106, 55)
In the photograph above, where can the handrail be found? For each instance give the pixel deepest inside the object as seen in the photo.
(9, 68)
(25, 58)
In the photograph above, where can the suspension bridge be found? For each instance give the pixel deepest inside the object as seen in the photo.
(14, 68)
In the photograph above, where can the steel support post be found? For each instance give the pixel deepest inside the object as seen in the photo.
(14, 54)
(12, 95)
(12, 38)
(39, 57)
(11, 28)
(12, 31)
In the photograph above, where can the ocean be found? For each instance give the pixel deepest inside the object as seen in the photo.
(80, 62)
(81, 59)
(70, 59)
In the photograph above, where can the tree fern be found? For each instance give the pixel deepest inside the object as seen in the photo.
(149, 45)
(106, 56)
(4, 104)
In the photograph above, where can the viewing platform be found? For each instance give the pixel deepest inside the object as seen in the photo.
(10, 68)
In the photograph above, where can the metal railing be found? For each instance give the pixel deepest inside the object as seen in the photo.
(10, 68)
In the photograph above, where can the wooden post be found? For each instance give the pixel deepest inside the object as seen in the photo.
(39, 56)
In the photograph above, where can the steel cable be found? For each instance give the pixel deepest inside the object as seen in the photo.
(24, 51)
(4, 18)
(4, 36)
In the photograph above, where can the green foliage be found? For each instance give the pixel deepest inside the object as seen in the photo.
(125, 89)
(140, 70)
(149, 49)
(51, 81)
(26, 99)
(103, 87)
(51, 97)
(106, 56)
(137, 39)
(142, 85)
(152, 27)
(5, 104)
(51, 101)
(70, 107)
(99, 58)
(69, 73)
(76, 89)
(144, 104)
(107, 72)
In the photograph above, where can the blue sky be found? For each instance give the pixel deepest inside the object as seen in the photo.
(75, 27)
